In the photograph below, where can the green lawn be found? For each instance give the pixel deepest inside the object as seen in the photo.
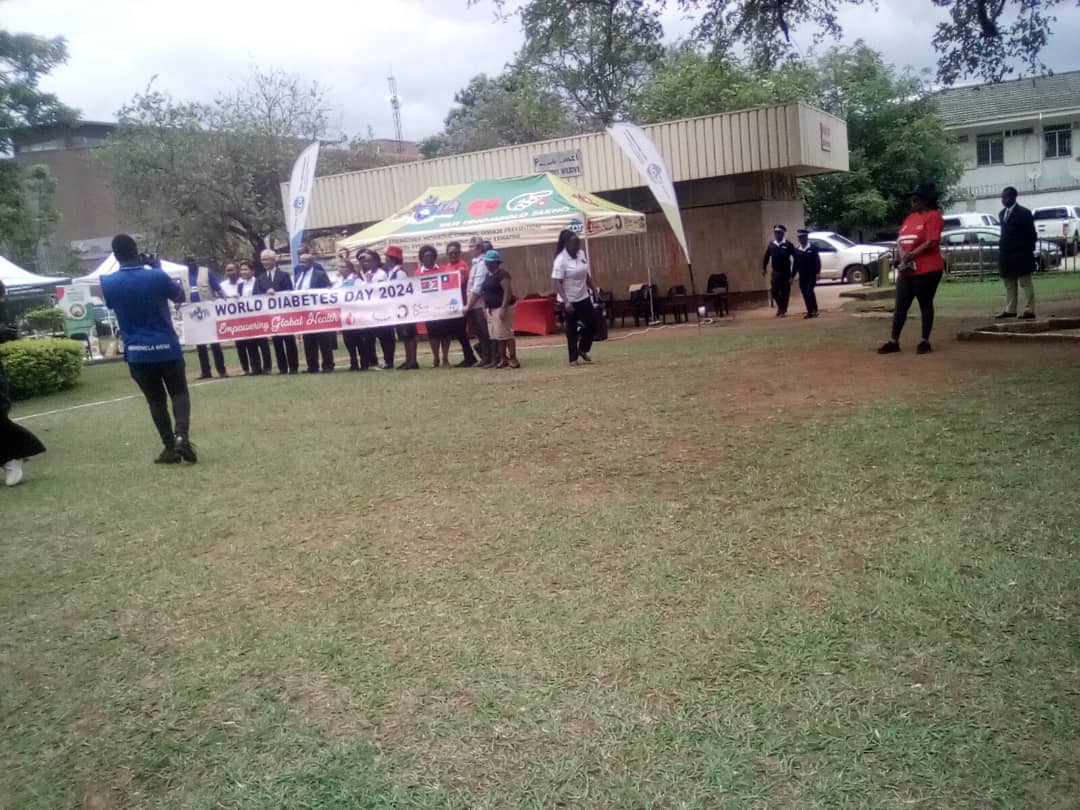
(758, 567)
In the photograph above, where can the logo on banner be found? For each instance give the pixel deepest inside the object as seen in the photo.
(200, 313)
(527, 200)
(655, 172)
(433, 283)
(299, 202)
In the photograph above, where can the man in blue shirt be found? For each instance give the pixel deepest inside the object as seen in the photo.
(204, 286)
(140, 296)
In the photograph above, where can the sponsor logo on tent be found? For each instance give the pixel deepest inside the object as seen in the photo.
(577, 226)
(479, 208)
(432, 208)
(527, 200)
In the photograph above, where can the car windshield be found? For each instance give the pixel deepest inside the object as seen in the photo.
(841, 240)
(1051, 213)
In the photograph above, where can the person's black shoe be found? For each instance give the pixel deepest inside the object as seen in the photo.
(808, 315)
(185, 449)
(1003, 315)
(892, 347)
(923, 348)
(585, 356)
(466, 363)
(223, 374)
(169, 455)
(1028, 316)
(204, 377)
(356, 368)
(409, 367)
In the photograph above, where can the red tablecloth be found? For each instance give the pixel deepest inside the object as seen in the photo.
(535, 316)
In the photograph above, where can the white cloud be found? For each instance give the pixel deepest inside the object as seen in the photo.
(433, 47)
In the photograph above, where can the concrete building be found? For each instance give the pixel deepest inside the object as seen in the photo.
(1021, 133)
(735, 178)
(87, 206)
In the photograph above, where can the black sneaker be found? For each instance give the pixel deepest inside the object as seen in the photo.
(923, 348)
(892, 347)
(185, 449)
(466, 363)
(1001, 316)
(169, 455)
(1028, 316)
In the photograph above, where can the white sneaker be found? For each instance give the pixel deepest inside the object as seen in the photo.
(14, 472)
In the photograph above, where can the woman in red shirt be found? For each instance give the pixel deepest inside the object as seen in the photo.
(921, 266)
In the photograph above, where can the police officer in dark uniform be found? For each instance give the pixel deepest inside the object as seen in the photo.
(808, 268)
(780, 252)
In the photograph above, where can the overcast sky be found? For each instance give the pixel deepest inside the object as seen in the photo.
(198, 47)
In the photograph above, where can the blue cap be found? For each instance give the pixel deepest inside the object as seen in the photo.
(492, 256)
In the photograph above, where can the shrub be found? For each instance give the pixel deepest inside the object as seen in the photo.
(37, 367)
(50, 319)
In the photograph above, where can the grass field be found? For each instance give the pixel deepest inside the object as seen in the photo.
(755, 567)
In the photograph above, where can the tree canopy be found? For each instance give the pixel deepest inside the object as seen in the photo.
(27, 209)
(984, 39)
(204, 178)
(499, 111)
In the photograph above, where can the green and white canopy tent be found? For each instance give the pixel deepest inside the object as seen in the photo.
(512, 212)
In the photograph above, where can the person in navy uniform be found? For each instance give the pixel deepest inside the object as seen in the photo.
(272, 280)
(779, 254)
(807, 268)
(139, 295)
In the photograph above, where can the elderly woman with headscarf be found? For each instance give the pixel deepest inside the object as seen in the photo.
(499, 299)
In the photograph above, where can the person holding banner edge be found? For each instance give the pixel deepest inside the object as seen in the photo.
(204, 286)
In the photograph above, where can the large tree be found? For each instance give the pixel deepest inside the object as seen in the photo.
(205, 177)
(595, 54)
(27, 212)
(987, 39)
(895, 135)
(500, 111)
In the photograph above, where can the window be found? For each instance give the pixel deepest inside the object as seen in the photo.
(1057, 141)
(823, 246)
(950, 222)
(987, 238)
(953, 239)
(842, 240)
(990, 150)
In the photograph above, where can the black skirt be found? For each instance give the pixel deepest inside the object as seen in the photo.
(16, 441)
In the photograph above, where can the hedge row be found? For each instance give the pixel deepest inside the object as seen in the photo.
(37, 367)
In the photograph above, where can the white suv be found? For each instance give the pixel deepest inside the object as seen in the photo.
(1061, 224)
(845, 260)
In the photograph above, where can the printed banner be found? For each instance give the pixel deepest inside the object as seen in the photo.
(646, 158)
(430, 297)
(300, 185)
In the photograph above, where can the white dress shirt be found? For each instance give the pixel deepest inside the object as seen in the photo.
(230, 289)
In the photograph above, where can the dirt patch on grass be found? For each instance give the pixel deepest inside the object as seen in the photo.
(329, 706)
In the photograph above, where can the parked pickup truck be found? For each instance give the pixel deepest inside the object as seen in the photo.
(1061, 224)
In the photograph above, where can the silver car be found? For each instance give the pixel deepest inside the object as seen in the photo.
(974, 251)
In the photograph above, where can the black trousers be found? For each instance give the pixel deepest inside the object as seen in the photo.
(316, 345)
(461, 335)
(160, 382)
(910, 287)
(781, 291)
(250, 355)
(204, 359)
(580, 327)
(809, 297)
(387, 342)
(264, 351)
(360, 344)
(478, 322)
(288, 356)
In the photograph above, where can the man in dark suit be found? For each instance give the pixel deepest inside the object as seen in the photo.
(1016, 255)
(310, 275)
(779, 253)
(272, 280)
(808, 268)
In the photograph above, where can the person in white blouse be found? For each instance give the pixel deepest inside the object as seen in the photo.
(230, 284)
(251, 350)
(573, 284)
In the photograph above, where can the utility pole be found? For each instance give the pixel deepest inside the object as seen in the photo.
(395, 105)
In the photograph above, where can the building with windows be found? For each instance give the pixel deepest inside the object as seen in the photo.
(735, 177)
(1019, 133)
